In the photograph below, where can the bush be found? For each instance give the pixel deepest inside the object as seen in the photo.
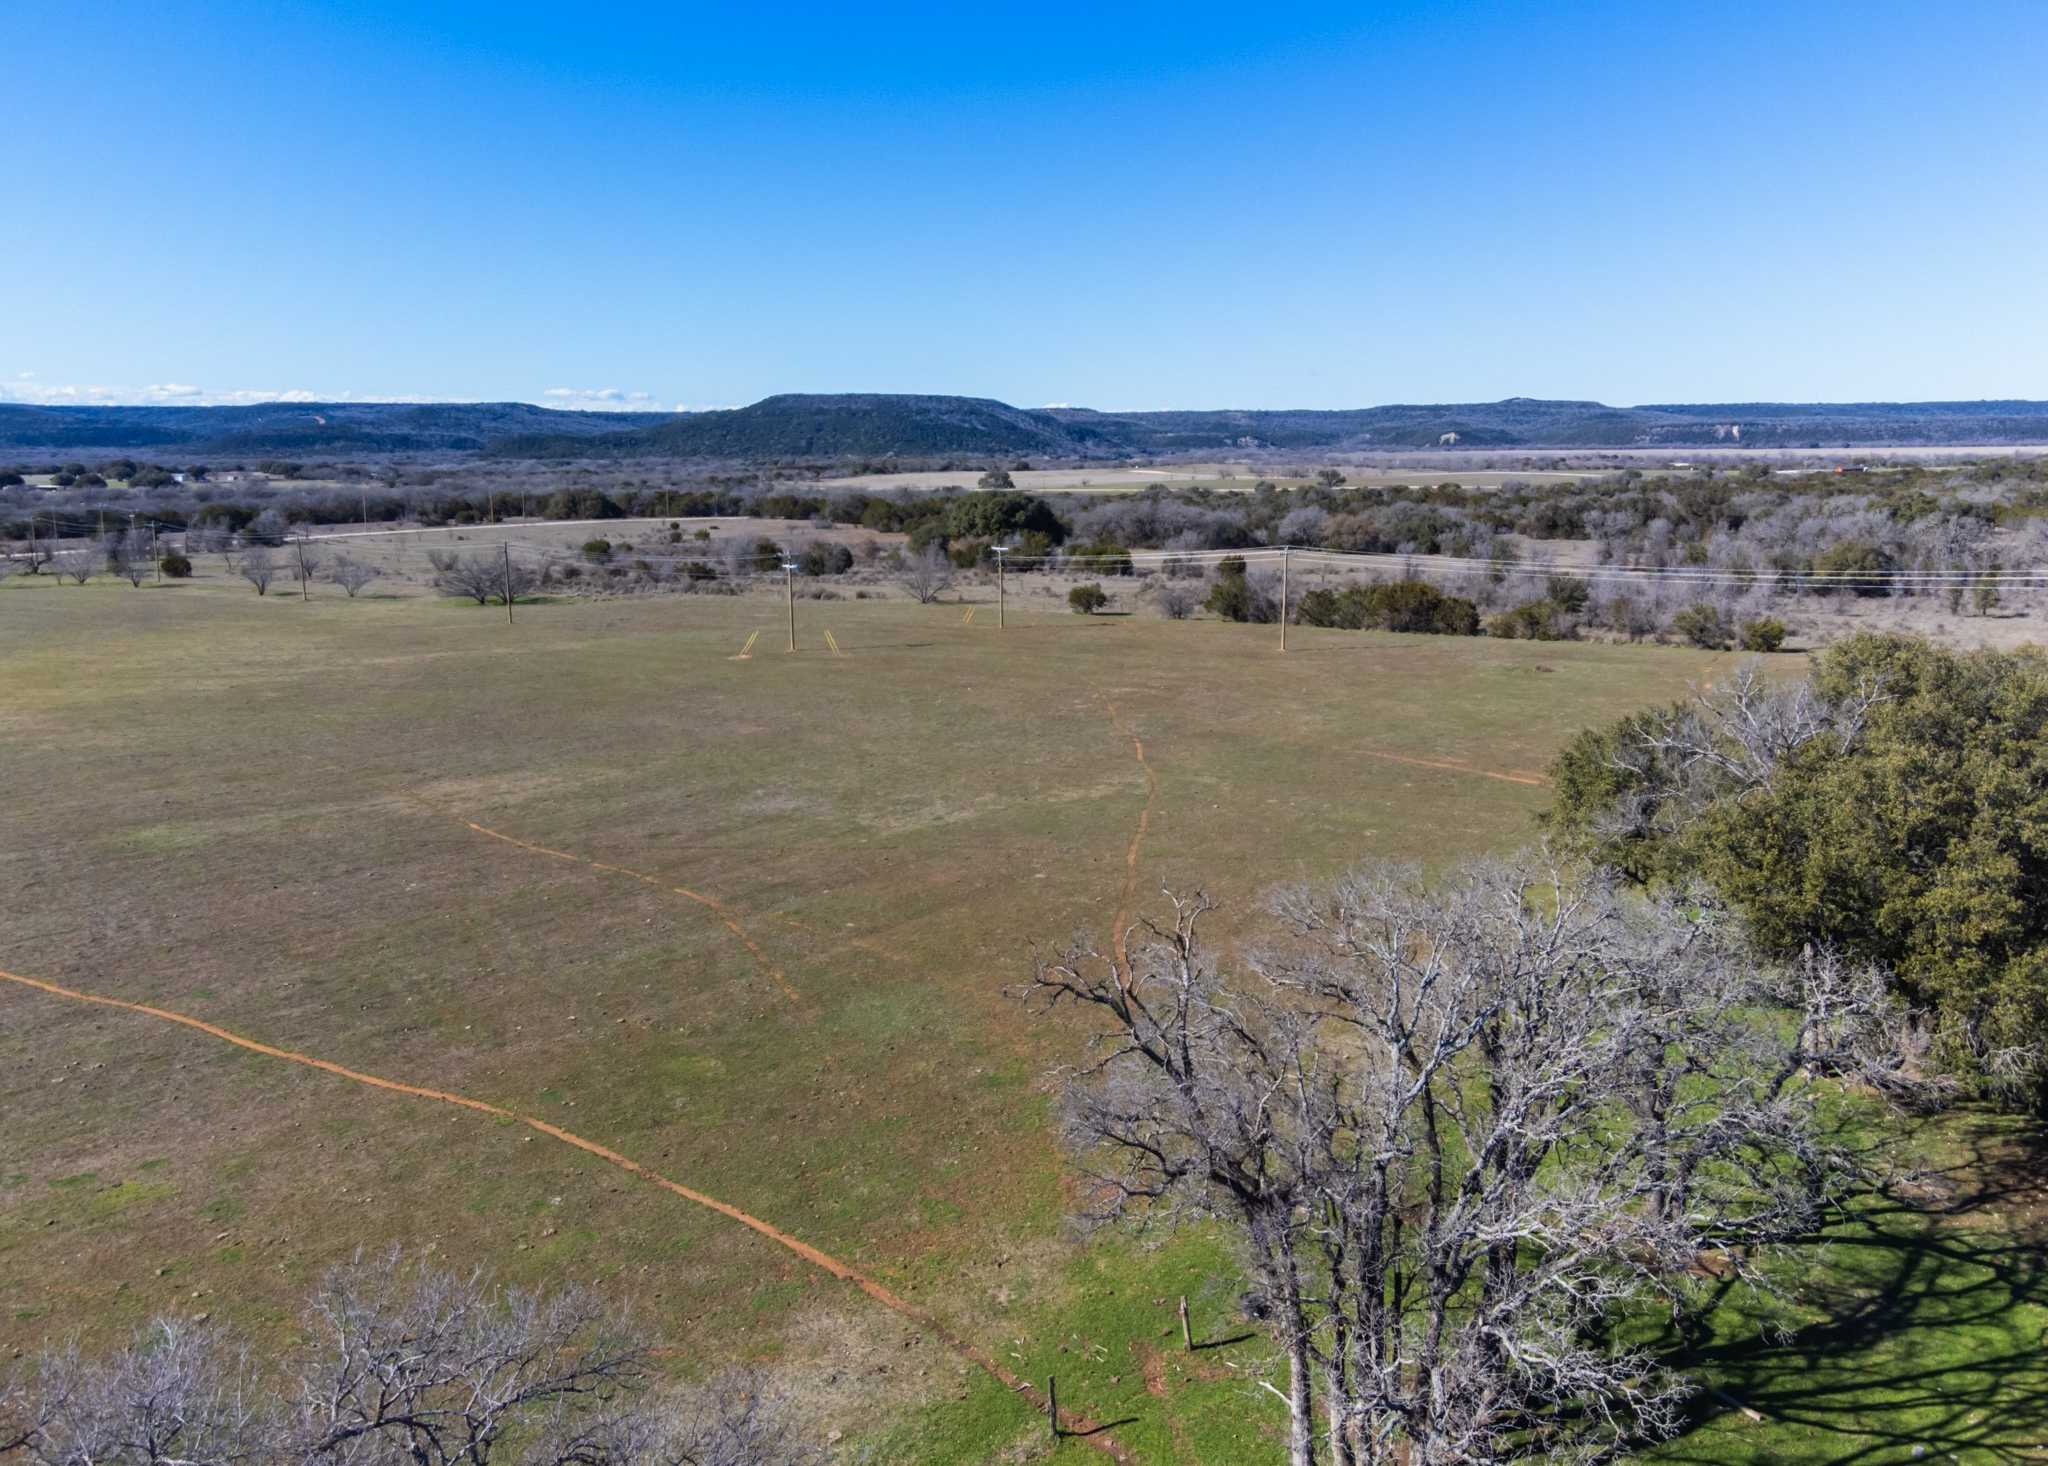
(1567, 592)
(1086, 600)
(1867, 568)
(597, 551)
(1702, 625)
(1912, 832)
(175, 566)
(1231, 596)
(1001, 516)
(1764, 634)
(1403, 605)
(826, 559)
(1104, 558)
(1542, 620)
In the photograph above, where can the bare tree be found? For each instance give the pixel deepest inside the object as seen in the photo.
(737, 1419)
(302, 561)
(257, 565)
(1459, 1132)
(398, 1364)
(926, 575)
(77, 564)
(351, 575)
(1176, 598)
(482, 578)
(436, 1369)
(178, 1396)
(1182, 1105)
(1724, 744)
(128, 555)
(35, 554)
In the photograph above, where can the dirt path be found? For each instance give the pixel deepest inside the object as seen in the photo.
(709, 903)
(1074, 1424)
(863, 944)
(1130, 890)
(1454, 767)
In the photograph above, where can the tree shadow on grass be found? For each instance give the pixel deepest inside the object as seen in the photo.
(1912, 1329)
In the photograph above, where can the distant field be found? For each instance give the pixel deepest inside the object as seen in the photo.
(779, 985)
(1228, 477)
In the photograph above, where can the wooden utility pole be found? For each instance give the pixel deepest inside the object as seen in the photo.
(789, 584)
(506, 551)
(1052, 1406)
(1286, 553)
(155, 557)
(1002, 585)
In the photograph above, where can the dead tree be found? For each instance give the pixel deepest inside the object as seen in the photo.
(77, 564)
(1460, 1130)
(352, 575)
(926, 575)
(1176, 599)
(437, 1369)
(1204, 1100)
(179, 1396)
(257, 565)
(482, 578)
(397, 1364)
(302, 560)
(128, 556)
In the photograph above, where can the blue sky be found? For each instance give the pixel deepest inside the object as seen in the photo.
(1120, 206)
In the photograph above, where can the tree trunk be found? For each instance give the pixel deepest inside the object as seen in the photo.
(1337, 1395)
(1301, 1435)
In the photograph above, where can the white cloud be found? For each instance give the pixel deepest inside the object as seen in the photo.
(27, 389)
(600, 399)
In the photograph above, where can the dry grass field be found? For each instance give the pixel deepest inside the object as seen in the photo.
(717, 944)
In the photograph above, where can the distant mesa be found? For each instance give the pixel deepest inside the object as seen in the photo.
(803, 426)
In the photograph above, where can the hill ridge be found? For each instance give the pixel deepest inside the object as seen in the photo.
(812, 425)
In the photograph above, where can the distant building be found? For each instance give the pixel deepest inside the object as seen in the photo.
(1446, 440)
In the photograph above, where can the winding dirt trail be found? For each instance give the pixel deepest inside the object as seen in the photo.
(1451, 766)
(862, 944)
(709, 903)
(1076, 1425)
(1130, 890)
